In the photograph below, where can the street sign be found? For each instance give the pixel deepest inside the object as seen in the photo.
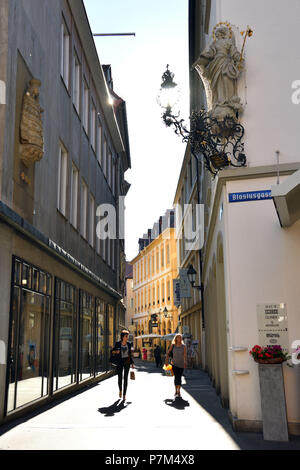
(272, 325)
(185, 285)
(250, 196)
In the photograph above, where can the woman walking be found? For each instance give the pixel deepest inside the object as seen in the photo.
(124, 359)
(179, 361)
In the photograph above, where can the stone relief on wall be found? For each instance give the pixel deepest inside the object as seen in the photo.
(31, 126)
(219, 66)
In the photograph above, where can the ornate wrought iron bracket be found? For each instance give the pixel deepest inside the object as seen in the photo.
(220, 142)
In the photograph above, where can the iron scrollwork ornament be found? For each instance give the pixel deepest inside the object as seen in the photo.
(220, 142)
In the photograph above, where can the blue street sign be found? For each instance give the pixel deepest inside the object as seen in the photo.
(250, 196)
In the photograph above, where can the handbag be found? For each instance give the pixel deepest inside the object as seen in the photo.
(168, 370)
(132, 375)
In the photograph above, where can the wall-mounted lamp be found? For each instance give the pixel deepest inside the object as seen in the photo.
(218, 141)
(191, 273)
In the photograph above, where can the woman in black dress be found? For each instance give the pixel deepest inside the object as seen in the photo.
(123, 353)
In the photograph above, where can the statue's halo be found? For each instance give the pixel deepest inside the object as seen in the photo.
(225, 24)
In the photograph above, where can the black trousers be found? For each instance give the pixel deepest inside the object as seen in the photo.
(178, 371)
(123, 366)
(158, 360)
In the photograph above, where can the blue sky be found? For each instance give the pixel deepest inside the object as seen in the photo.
(161, 28)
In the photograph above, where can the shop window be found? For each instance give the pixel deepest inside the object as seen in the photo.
(28, 368)
(86, 368)
(100, 337)
(111, 327)
(65, 335)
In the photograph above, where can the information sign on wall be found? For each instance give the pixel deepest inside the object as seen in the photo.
(273, 325)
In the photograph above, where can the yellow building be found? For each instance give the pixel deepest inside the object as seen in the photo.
(154, 269)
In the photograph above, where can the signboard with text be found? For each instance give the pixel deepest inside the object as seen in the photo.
(250, 196)
(272, 325)
(176, 292)
(185, 285)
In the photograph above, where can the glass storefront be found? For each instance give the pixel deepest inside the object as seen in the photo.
(100, 337)
(65, 330)
(110, 327)
(28, 366)
(84, 329)
(86, 335)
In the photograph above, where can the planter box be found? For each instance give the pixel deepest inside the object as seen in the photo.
(273, 404)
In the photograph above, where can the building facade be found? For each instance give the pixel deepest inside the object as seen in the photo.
(186, 203)
(64, 151)
(249, 260)
(129, 299)
(154, 269)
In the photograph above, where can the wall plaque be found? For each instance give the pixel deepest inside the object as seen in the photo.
(272, 325)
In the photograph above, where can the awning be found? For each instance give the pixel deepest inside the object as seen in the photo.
(152, 335)
(171, 336)
(286, 198)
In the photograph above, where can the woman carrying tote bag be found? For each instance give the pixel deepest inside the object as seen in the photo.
(122, 352)
(179, 361)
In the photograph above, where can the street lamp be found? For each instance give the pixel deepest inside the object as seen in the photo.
(219, 141)
(169, 92)
(191, 273)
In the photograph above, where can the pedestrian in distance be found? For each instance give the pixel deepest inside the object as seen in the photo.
(123, 352)
(157, 355)
(177, 351)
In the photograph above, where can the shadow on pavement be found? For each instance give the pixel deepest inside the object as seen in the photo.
(148, 366)
(116, 407)
(199, 386)
(177, 403)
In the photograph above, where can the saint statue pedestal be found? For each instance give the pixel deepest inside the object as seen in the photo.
(273, 404)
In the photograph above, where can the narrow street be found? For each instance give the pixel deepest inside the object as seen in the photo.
(150, 419)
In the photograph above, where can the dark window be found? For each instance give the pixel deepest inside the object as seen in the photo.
(86, 347)
(28, 368)
(65, 334)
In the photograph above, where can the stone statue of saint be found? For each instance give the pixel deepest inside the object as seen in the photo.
(31, 127)
(219, 64)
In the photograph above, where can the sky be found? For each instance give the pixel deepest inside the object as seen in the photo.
(138, 62)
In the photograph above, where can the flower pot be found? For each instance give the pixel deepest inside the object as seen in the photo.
(274, 360)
